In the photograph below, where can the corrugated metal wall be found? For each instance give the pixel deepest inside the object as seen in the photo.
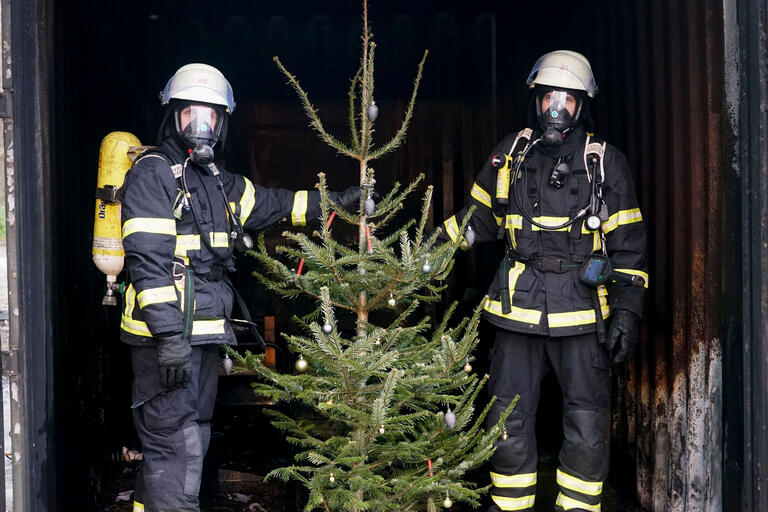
(674, 385)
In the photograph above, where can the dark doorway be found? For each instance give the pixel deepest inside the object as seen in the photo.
(111, 60)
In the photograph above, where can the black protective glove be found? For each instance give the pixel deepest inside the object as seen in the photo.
(174, 360)
(623, 335)
(348, 198)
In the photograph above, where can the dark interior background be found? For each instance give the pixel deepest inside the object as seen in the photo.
(112, 59)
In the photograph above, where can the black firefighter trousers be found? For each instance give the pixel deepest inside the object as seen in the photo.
(518, 364)
(175, 428)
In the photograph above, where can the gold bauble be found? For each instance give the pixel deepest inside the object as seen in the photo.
(467, 367)
(447, 503)
(301, 365)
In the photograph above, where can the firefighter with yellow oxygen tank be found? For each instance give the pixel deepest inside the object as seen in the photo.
(569, 291)
(183, 218)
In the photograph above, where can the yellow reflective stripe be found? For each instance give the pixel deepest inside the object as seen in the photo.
(247, 201)
(505, 503)
(138, 507)
(621, 218)
(514, 221)
(136, 327)
(200, 327)
(633, 272)
(584, 316)
(521, 480)
(219, 239)
(299, 212)
(185, 243)
(597, 241)
(452, 228)
(514, 275)
(149, 225)
(528, 316)
(481, 195)
(571, 504)
(578, 485)
(550, 221)
(157, 295)
(497, 219)
(130, 300)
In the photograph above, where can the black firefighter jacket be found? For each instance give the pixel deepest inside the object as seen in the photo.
(162, 297)
(557, 303)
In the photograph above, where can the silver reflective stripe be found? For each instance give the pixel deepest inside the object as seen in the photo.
(194, 460)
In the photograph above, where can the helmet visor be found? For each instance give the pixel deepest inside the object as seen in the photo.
(569, 74)
(199, 123)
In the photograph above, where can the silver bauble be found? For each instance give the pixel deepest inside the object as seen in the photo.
(426, 268)
(373, 111)
(469, 236)
(301, 365)
(227, 364)
(327, 328)
(450, 419)
(391, 302)
(369, 205)
(331, 478)
(381, 429)
(468, 368)
(447, 503)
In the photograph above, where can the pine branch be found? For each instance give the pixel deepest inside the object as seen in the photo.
(312, 114)
(399, 137)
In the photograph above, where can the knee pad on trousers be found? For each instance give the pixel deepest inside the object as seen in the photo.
(516, 454)
(586, 448)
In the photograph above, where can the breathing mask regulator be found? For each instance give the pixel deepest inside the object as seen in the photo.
(558, 112)
(199, 127)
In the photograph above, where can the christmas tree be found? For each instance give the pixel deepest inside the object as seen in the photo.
(393, 425)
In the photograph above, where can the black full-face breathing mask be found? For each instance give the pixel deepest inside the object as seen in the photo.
(199, 126)
(558, 111)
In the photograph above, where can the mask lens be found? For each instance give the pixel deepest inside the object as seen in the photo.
(198, 123)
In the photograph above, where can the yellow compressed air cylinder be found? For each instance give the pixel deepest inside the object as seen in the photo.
(108, 252)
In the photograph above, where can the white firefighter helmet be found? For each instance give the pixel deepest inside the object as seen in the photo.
(564, 69)
(199, 82)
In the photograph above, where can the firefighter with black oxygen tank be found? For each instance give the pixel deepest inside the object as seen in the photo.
(569, 293)
(182, 220)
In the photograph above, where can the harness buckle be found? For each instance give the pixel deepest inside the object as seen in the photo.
(550, 264)
(178, 269)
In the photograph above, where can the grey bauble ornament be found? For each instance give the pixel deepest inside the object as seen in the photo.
(447, 503)
(227, 364)
(327, 328)
(391, 302)
(469, 236)
(373, 111)
(450, 419)
(301, 365)
(369, 205)
(331, 478)
(426, 268)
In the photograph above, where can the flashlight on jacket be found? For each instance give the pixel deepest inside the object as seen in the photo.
(504, 165)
